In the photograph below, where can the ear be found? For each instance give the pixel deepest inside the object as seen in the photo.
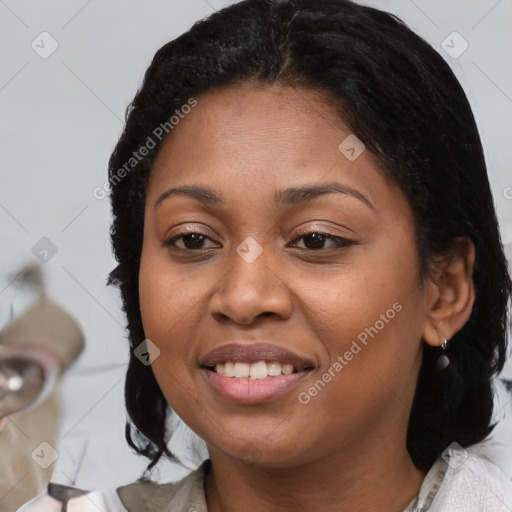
(450, 292)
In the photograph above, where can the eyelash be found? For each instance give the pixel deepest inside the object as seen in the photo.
(340, 241)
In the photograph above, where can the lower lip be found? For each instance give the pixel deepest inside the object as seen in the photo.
(253, 391)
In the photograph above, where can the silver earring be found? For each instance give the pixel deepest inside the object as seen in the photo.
(443, 361)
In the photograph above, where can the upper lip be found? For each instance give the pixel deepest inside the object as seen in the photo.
(248, 352)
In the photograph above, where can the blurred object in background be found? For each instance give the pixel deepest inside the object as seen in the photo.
(19, 290)
(36, 347)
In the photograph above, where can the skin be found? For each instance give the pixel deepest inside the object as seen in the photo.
(246, 142)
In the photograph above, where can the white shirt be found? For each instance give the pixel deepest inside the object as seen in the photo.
(461, 480)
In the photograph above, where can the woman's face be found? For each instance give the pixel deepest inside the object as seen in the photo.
(351, 308)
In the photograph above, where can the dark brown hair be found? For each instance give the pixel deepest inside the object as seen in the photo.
(403, 101)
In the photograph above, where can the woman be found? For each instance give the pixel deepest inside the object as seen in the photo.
(309, 253)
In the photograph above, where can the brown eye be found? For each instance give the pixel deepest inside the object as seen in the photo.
(190, 241)
(315, 240)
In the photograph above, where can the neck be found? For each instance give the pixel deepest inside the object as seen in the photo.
(378, 479)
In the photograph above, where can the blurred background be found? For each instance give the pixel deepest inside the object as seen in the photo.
(69, 70)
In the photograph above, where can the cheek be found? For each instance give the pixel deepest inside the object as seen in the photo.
(172, 311)
(369, 323)
(353, 304)
(168, 297)
(166, 305)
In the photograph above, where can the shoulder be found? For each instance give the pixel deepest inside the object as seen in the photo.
(473, 481)
(186, 495)
(105, 500)
(182, 496)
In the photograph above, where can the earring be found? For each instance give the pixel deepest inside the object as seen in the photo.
(443, 361)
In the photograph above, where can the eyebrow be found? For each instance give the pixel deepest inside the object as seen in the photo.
(287, 197)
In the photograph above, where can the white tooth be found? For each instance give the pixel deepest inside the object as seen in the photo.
(242, 369)
(229, 369)
(219, 368)
(287, 368)
(259, 370)
(274, 368)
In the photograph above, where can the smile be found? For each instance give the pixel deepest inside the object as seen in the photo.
(248, 372)
(258, 370)
(245, 383)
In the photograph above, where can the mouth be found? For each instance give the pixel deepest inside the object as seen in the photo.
(253, 373)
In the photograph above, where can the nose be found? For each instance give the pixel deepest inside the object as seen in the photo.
(251, 290)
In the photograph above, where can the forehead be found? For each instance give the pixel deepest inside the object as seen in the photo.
(243, 117)
(252, 138)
